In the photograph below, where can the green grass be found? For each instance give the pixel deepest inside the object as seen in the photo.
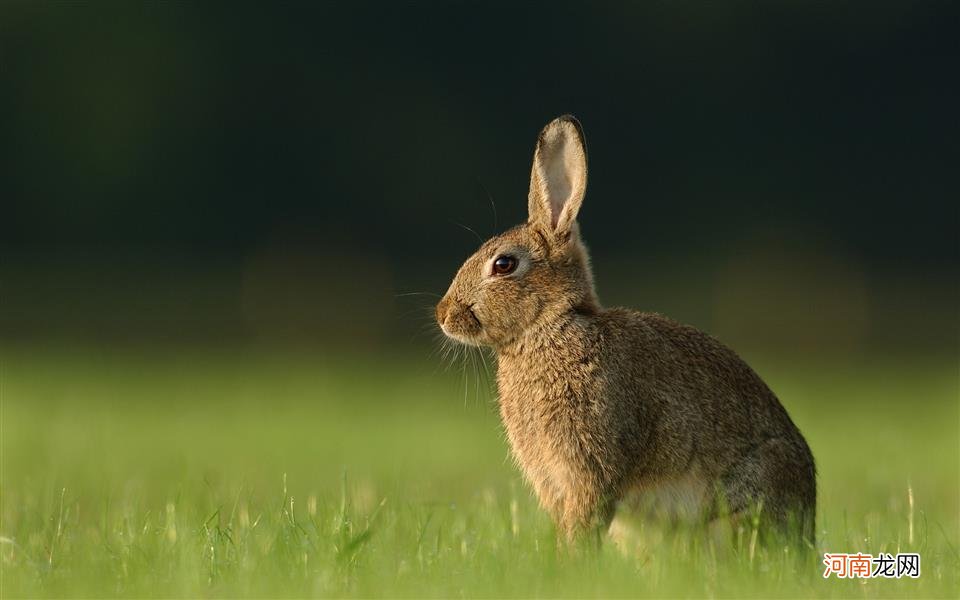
(166, 473)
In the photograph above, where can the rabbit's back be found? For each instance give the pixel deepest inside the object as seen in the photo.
(693, 390)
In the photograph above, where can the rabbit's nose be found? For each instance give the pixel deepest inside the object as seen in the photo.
(443, 309)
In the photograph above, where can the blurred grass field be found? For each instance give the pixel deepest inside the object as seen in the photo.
(171, 472)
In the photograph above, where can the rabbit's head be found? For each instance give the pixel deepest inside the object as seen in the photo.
(536, 273)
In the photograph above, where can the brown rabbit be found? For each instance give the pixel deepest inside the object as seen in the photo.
(604, 406)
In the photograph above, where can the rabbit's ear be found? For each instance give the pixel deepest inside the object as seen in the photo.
(558, 180)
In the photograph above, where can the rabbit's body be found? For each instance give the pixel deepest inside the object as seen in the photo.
(670, 422)
(610, 406)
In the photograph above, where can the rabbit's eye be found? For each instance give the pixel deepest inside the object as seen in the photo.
(504, 265)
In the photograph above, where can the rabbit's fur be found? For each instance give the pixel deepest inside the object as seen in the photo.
(605, 405)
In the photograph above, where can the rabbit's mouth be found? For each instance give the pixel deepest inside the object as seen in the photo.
(459, 322)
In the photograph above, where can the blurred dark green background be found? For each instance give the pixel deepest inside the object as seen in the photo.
(783, 175)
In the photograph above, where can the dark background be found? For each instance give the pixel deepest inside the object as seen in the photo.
(780, 174)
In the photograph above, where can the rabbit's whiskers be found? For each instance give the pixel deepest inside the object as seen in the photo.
(457, 223)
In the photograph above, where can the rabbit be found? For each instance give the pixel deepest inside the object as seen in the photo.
(602, 406)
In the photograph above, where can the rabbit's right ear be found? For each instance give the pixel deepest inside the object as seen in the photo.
(558, 180)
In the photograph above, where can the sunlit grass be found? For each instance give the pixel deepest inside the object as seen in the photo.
(228, 474)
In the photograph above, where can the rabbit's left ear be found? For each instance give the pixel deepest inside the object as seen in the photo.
(558, 180)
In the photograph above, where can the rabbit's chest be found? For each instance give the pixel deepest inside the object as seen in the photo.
(554, 416)
(546, 440)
